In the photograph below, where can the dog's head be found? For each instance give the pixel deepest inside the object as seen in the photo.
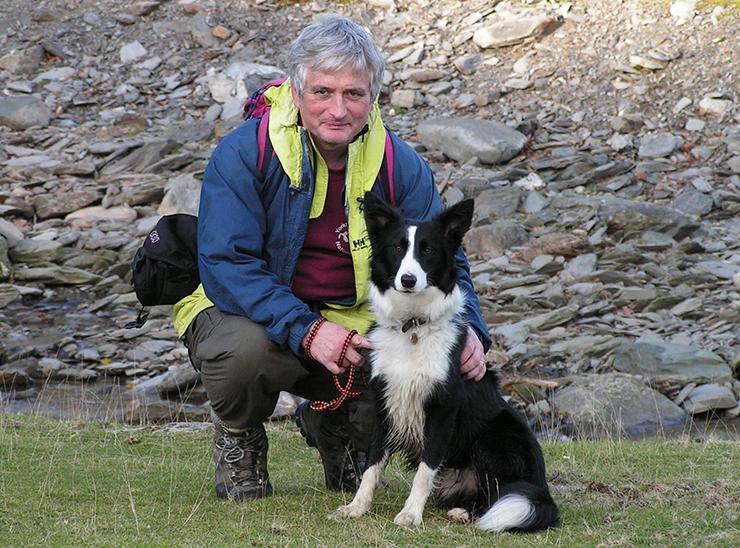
(411, 257)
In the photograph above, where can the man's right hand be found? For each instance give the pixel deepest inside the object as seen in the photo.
(327, 346)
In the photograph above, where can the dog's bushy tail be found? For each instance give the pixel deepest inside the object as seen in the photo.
(522, 507)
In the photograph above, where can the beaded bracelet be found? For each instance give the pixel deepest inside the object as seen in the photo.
(311, 336)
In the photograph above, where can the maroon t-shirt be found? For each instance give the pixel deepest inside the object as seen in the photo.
(324, 271)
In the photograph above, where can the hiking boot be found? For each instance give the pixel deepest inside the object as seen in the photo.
(241, 464)
(326, 431)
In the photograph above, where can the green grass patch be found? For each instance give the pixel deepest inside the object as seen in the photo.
(66, 484)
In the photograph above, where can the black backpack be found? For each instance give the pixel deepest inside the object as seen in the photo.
(165, 268)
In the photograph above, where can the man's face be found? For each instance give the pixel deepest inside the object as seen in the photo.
(334, 107)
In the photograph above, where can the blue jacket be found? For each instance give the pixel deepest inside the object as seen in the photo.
(251, 231)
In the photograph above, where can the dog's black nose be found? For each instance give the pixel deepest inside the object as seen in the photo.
(408, 280)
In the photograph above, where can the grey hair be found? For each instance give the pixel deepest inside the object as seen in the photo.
(331, 45)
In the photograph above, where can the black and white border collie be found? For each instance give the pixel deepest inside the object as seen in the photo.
(468, 446)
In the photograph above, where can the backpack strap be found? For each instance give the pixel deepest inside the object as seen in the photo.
(386, 171)
(266, 152)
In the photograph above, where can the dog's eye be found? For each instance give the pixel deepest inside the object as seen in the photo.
(427, 250)
(398, 249)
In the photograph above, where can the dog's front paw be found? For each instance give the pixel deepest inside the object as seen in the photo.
(407, 519)
(347, 511)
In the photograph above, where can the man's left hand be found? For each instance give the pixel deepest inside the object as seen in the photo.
(472, 359)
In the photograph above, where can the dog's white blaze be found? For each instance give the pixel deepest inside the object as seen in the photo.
(410, 265)
(509, 512)
(411, 371)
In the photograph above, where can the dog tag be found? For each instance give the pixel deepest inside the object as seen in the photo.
(414, 338)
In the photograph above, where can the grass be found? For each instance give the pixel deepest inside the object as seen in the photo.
(64, 484)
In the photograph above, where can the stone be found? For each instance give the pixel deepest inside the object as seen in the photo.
(21, 112)
(11, 233)
(620, 141)
(495, 238)
(131, 52)
(613, 405)
(695, 124)
(25, 61)
(35, 252)
(90, 216)
(182, 195)
(404, 98)
(683, 9)
(659, 360)
(534, 203)
(48, 206)
(515, 31)
(55, 275)
(715, 106)
(734, 164)
(178, 380)
(464, 138)
(140, 411)
(8, 293)
(468, 64)
(708, 397)
(142, 158)
(220, 32)
(59, 74)
(582, 266)
(530, 182)
(659, 145)
(692, 202)
(495, 204)
(620, 214)
(201, 32)
(140, 9)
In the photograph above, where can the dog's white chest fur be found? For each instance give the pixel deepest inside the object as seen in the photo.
(411, 369)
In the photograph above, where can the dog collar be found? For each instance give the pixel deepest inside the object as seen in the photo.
(413, 322)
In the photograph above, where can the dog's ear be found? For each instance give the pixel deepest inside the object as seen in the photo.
(379, 216)
(456, 221)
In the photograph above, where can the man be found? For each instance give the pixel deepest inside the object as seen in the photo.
(284, 261)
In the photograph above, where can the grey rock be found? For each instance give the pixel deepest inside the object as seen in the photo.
(734, 164)
(695, 124)
(707, 397)
(496, 203)
(56, 275)
(468, 64)
(179, 380)
(201, 32)
(141, 159)
(131, 52)
(693, 203)
(464, 138)
(534, 203)
(716, 105)
(21, 112)
(659, 145)
(514, 31)
(10, 232)
(658, 360)
(615, 406)
(286, 406)
(35, 252)
(5, 266)
(404, 98)
(182, 195)
(721, 269)
(25, 61)
(163, 411)
(494, 238)
(582, 266)
(8, 294)
(48, 206)
(622, 214)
